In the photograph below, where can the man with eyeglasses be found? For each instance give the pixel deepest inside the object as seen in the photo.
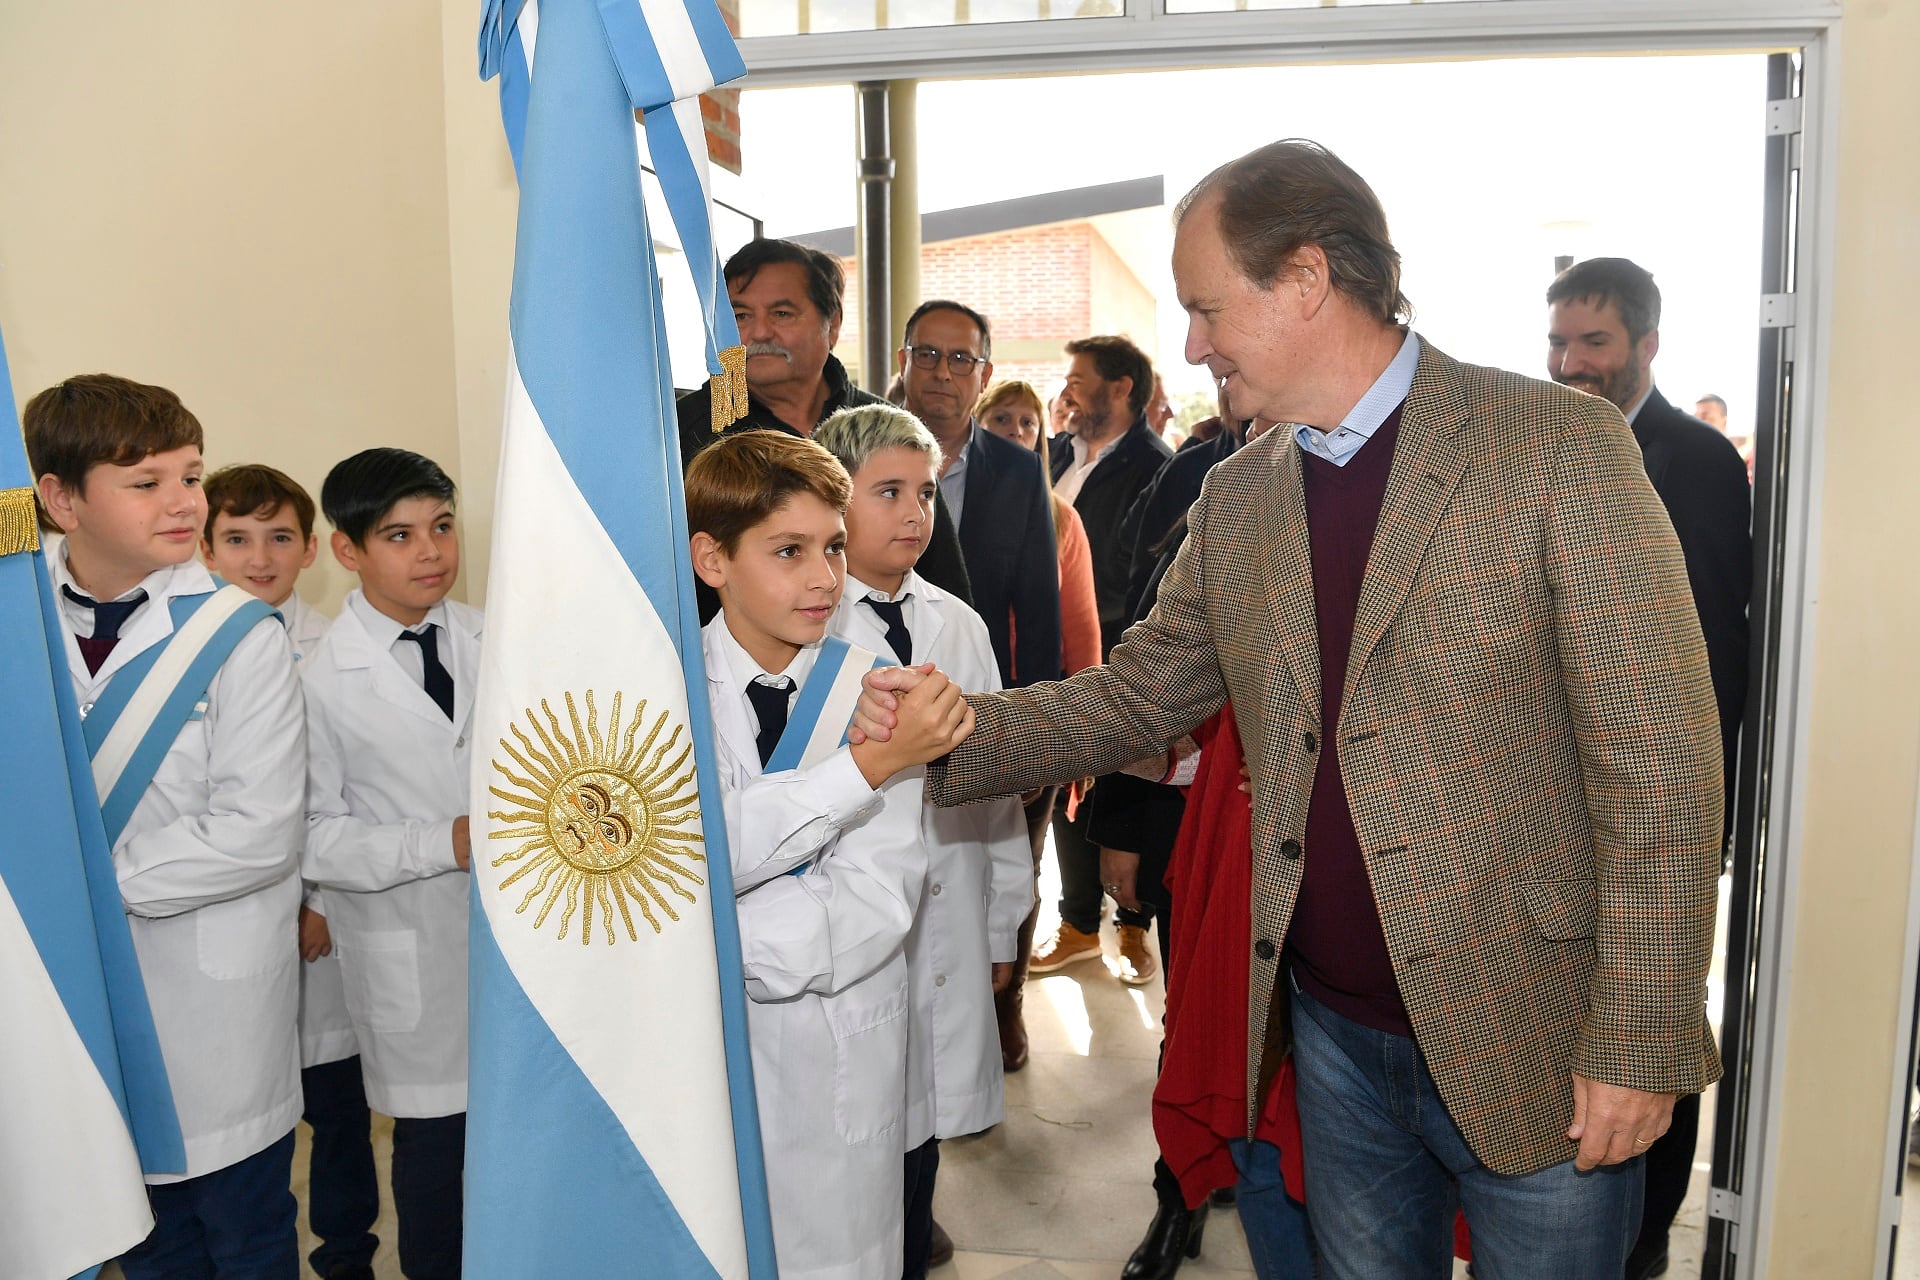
(787, 301)
(993, 488)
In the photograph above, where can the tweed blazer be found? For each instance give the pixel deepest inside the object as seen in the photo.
(1529, 742)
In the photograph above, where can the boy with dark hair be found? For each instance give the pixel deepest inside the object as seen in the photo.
(202, 802)
(389, 697)
(825, 841)
(259, 536)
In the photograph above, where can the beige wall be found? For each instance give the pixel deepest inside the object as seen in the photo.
(1864, 728)
(249, 203)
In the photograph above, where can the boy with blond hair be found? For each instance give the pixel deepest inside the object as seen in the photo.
(980, 871)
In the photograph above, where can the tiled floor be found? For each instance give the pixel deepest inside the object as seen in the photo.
(1060, 1191)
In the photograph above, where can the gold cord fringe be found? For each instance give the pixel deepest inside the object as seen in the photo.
(729, 389)
(19, 521)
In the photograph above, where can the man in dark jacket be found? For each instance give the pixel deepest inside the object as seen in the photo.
(787, 302)
(1103, 463)
(1602, 334)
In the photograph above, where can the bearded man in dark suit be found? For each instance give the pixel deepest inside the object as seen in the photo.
(1485, 763)
(1603, 331)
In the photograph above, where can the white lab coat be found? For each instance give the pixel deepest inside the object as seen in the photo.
(209, 873)
(979, 889)
(326, 1030)
(826, 977)
(388, 776)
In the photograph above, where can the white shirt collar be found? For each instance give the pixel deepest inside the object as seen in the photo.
(385, 631)
(911, 585)
(1634, 411)
(161, 585)
(744, 670)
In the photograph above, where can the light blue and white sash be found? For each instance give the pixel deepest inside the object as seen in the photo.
(817, 725)
(134, 723)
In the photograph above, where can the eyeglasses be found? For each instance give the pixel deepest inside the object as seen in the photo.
(961, 363)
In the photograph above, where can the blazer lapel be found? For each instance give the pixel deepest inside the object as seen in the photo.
(355, 648)
(1427, 467)
(1289, 576)
(1649, 428)
(466, 661)
(729, 713)
(927, 622)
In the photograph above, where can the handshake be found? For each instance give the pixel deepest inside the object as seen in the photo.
(906, 716)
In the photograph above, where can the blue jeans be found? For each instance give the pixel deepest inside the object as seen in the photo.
(1387, 1168)
(1278, 1238)
(235, 1223)
(343, 1197)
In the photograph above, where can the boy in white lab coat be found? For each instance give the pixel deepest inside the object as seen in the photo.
(204, 816)
(389, 699)
(980, 871)
(259, 536)
(827, 863)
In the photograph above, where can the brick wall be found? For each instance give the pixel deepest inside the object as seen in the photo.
(1039, 286)
(720, 110)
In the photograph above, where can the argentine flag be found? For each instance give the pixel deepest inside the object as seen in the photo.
(84, 1101)
(611, 1127)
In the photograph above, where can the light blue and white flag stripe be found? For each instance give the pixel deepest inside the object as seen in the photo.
(86, 1105)
(611, 1120)
(668, 53)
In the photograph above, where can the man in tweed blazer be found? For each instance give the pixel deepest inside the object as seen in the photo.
(1524, 763)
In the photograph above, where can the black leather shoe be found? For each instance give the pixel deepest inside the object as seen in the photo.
(1224, 1198)
(1172, 1237)
(1648, 1259)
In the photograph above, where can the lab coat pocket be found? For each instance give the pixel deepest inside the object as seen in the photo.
(869, 1063)
(243, 938)
(382, 970)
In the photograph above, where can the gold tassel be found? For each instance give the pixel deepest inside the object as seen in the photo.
(19, 521)
(729, 389)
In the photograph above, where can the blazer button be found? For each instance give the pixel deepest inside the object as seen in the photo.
(1290, 850)
(1308, 740)
(1263, 949)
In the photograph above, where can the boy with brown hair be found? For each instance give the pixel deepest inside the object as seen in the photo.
(826, 848)
(259, 536)
(193, 719)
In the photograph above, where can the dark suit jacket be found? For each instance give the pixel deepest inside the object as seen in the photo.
(1103, 503)
(1527, 736)
(941, 563)
(1006, 535)
(1703, 482)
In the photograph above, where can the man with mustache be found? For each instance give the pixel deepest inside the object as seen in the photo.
(787, 301)
(1603, 330)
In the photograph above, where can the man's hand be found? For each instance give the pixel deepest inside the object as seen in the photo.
(462, 845)
(316, 939)
(931, 719)
(876, 714)
(1002, 975)
(1120, 876)
(1613, 1123)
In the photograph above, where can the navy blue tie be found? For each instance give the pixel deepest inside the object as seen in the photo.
(770, 708)
(108, 615)
(894, 614)
(439, 681)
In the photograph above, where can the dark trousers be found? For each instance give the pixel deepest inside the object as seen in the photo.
(235, 1223)
(923, 1166)
(343, 1197)
(1079, 859)
(1669, 1170)
(429, 1157)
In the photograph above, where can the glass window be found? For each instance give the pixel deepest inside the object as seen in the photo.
(814, 17)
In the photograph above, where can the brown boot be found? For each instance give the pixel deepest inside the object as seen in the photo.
(1137, 965)
(1067, 945)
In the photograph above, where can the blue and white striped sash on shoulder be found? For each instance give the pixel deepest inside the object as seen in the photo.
(133, 724)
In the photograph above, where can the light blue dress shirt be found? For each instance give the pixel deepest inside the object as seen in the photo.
(1386, 393)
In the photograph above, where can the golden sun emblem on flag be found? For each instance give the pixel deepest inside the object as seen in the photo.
(602, 821)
